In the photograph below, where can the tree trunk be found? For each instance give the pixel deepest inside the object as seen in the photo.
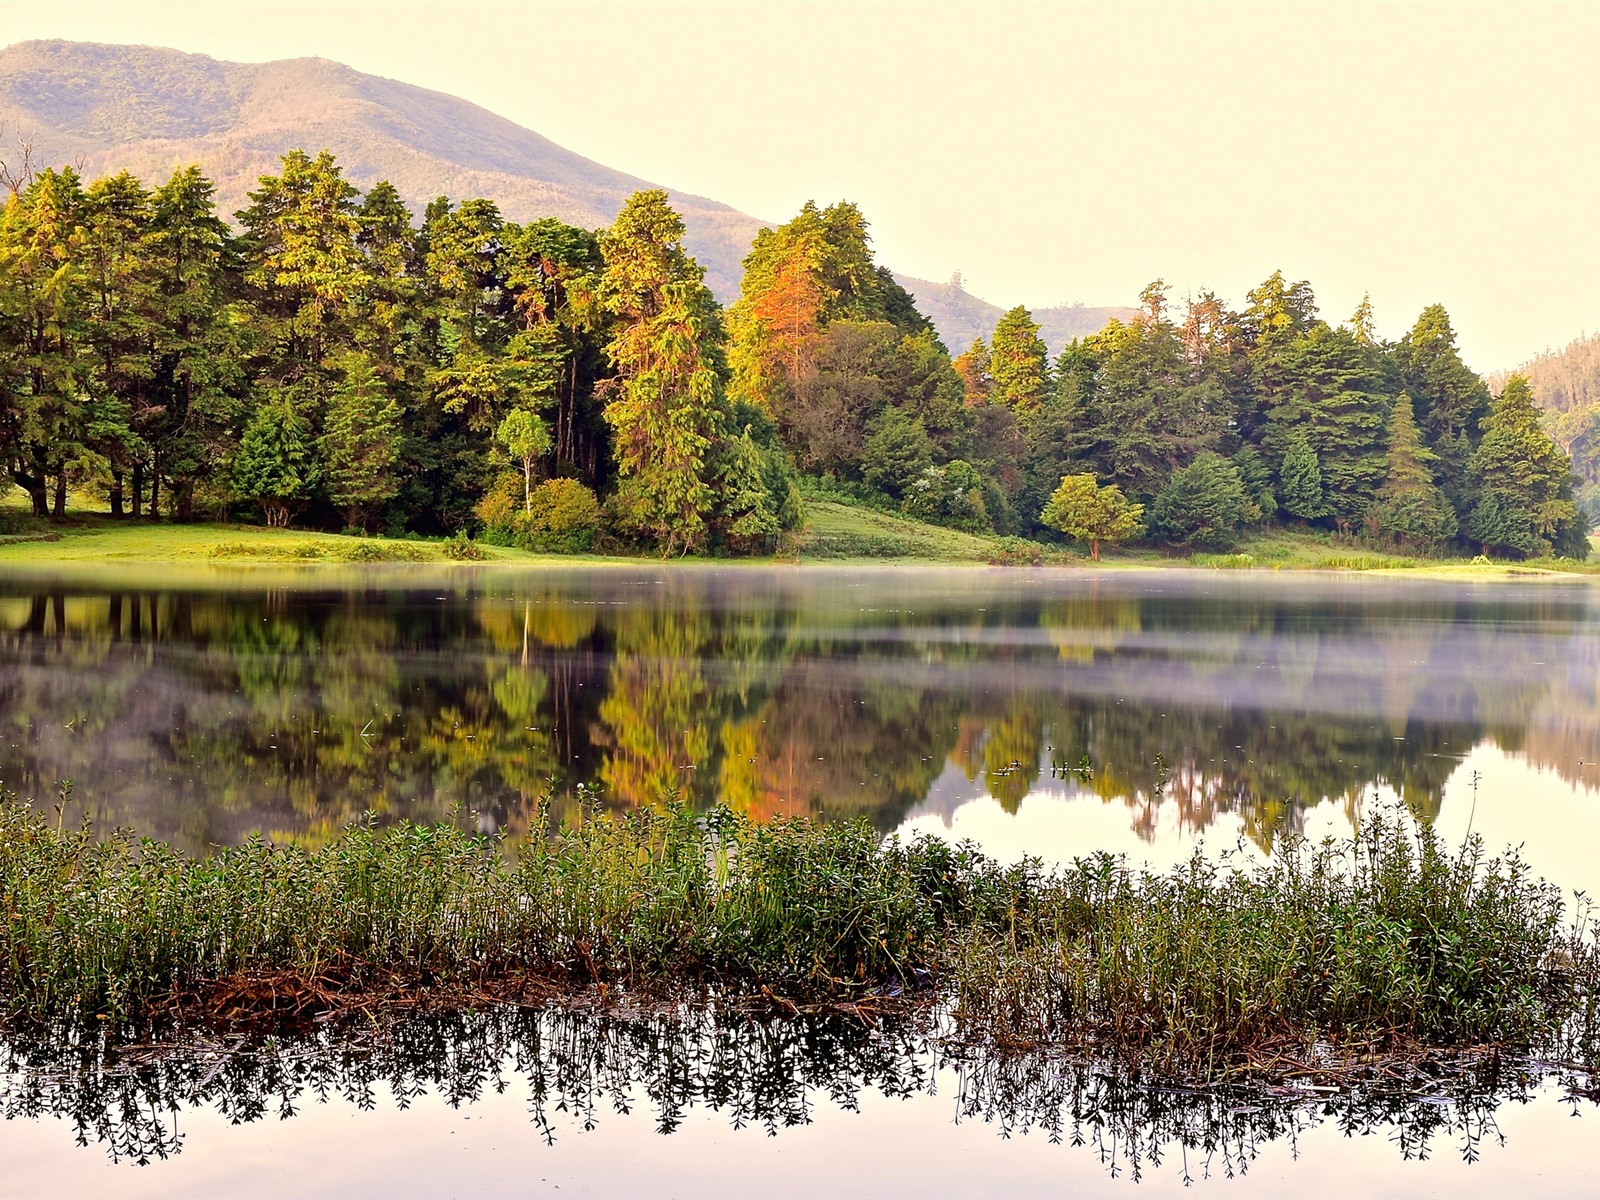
(1094, 549)
(34, 486)
(155, 493)
(138, 489)
(116, 492)
(60, 510)
(527, 487)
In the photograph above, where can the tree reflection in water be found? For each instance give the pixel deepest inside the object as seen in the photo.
(204, 713)
(578, 1066)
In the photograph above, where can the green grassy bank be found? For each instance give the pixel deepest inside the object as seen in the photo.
(1387, 940)
(835, 532)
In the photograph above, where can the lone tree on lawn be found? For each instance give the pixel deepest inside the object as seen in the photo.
(1086, 512)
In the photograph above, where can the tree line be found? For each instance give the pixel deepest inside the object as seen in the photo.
(332, 359)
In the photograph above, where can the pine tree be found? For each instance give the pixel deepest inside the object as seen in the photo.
(1205, 504)
(1019, 364)
(360, 441)
(1522, 479)
(1409, 509)
(1300, 482)
(667, 411)
(277, 465)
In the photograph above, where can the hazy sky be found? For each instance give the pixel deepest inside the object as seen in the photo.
(1050, 153)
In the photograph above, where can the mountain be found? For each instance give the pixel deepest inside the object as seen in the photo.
(960, 316)
(150, 110)
(1565, 379)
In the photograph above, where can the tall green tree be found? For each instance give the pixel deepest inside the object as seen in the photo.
(1408, 508)
(1300, 481)
(1522, 480)
(1019, 364)
(1204, 504)
(361, 441)
(277, 462)
(667, 408)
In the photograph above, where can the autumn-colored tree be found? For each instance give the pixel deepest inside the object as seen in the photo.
(973, 367)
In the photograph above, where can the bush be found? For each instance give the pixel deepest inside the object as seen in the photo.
(562, 516)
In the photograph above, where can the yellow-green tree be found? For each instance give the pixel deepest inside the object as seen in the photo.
(1086, 512)
(666, 407)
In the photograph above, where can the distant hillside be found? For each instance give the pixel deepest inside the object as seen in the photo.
(1564, 379)
(152, 110)
(960, 316)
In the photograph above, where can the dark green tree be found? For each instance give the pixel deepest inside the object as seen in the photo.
(1205, 504)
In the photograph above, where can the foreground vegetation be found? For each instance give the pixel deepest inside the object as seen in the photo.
(1386, 941)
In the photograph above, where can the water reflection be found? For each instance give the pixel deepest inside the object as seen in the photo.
(203, 713)
(580, 1069)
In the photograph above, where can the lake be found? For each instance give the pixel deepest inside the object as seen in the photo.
(1038, 712)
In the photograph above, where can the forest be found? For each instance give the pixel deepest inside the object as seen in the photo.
(331, 360)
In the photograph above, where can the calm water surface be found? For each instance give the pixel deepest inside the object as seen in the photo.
(1036, 712)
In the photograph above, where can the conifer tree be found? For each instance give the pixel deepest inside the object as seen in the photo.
(1300, 482)
(277, 464)
(667, 409)
(1522, 479)
(1409, 509)
(1018, 364)
(1205, 504)
(360, 442)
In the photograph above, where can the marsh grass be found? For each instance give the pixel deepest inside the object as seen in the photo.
(1385, 941)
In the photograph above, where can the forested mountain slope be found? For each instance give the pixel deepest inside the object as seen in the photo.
(1566, 384)
(148, 109)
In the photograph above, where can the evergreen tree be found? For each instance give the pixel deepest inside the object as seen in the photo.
(190, 422)
(1522, 479)
(1409, 509)
(277, 465)
(360, 442)
(667, 410)
(1300, 482)
(1256, 477)
(1325, 391)
(1018, 364)
(1451, 400)
(1205, 504)
(896, 454)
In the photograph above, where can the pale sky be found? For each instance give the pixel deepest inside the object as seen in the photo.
(1049, 152)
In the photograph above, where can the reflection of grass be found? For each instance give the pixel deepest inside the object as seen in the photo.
(1385, 942)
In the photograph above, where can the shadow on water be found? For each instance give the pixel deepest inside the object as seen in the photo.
(202, 714)
(582, 1067)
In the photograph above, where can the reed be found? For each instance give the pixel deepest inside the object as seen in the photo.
(1385, 938)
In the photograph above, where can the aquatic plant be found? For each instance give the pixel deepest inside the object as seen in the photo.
(1384, 942)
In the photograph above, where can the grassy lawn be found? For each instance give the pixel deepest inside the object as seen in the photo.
(839, 531)
(835, 533)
